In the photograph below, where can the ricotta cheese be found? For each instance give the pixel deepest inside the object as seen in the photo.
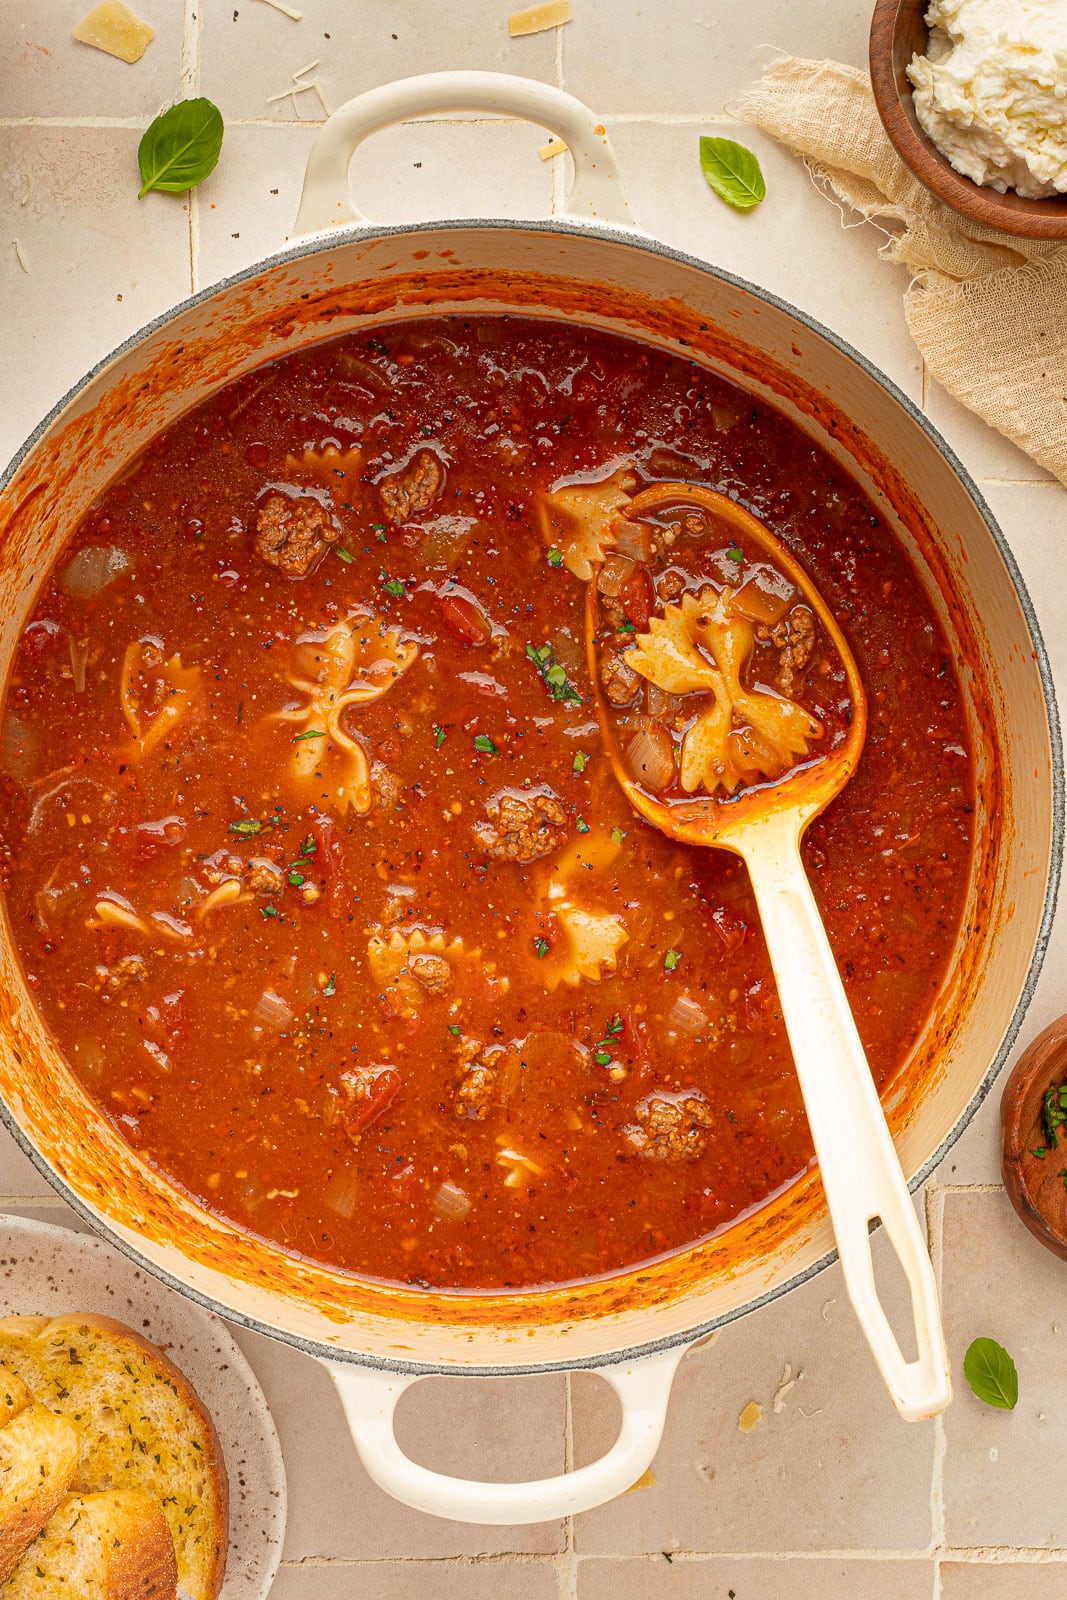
(991, 92)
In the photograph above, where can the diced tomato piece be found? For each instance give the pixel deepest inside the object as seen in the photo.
(404, 1184)
(637, 598)
(39, 636)
(329, 861)
(467, 618)
(159, 834)
(731, 930)
(362, 1113)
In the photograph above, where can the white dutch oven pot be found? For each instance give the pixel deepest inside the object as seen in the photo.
(591, 266)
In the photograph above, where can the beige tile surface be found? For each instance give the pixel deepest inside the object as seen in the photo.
(438, 1580)
(47, 74)
(1004, 1473)
(1015, 1581)
(650, 56)
(754, 1578)
(834, 1468)
(491, 1428)
(98, 262)
(249, 51)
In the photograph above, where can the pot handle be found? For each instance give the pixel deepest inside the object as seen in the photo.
(369, 1397)
(597, 194)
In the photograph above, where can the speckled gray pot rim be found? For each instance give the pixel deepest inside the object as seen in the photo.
(366, 233)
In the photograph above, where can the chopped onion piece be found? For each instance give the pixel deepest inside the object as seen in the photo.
(634, 539)
(650, 758)
(764, 597)
(89, 572)
(272, 1010)
(451, 1201)
(615, 574)
(20, 748)
(79, 655)
(342, 1193)
(687, 1015)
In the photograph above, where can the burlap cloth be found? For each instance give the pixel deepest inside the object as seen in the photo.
(987, 310)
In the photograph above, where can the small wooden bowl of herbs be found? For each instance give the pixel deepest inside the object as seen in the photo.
(1033, 1122)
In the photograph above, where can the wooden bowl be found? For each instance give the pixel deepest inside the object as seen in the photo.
(1034, 1175)
(898, 32)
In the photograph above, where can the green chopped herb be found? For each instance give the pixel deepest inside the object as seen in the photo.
(580, 761)
(345, 555)
(378, 527)
(483, 743)
(735, 553)
(295, 878)
(615, 1026)
(582, 825)
(1054, 1113)
(991, 1373)
(309, 846)
(617, 835)
(626, 626)
(269, 911)
(331, 987)
(378, 347)
(1062, 1173)
(671, 959)
(555, 558)
(602, 1058)
(181, 147)
(733, 172)
(394, 586)
(312, 733)
(247, 827)
(541, 946)
(439, 736)
(454, 1027)
(553, 674)
(1041, 1152)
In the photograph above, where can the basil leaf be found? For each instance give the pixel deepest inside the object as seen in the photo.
(180, 147)
(733, 172)
(991, 1373)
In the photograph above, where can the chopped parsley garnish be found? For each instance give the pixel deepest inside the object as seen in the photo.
(553, 674)
(555, 558)
(1041, 1152)
(247, 827)
(1054, 1114)
(582, 825)
(454, 1027)
(541, 946)
(378, 527)
(312, 733)
(345, 555)
(1062, 1173)
(269, 911)
(439, 736)
(671, 960)
(580, 761)
(295, 878)
(331, 987)
(395, 587)
(378, 347)
(483, 743)
(617, 835)
(626, 626)
(614, 1027)
(602, 1058)
(735, 553)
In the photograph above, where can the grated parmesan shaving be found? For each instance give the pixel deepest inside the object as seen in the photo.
(302, 84)
(20, 257)
(538, 19)
(286, 11)
(645, 1481)
(113, 28)
(554, 147)
(27, 178)
(786, 1383)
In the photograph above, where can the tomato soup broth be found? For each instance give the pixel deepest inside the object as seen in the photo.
(317, 868)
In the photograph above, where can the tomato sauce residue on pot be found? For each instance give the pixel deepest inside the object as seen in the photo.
(319, 874)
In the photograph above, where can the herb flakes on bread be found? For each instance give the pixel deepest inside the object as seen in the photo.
(38, 1456)
(142, 1428)
(112, 1546)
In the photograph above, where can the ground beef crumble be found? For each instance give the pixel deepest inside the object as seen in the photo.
(413, 487)
(291, 534)
(671, 1127)
(521, 827)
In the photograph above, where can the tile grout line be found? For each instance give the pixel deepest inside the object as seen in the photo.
(964, 1555)
(568, 1559)
(190, 78)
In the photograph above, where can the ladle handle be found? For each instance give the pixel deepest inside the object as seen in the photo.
(858, 1163)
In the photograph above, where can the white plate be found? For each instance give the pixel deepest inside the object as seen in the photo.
(46, 1271)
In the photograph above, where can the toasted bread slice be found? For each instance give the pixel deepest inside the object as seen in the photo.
(114, 1546)
(141, 1425)
(38, 1455)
